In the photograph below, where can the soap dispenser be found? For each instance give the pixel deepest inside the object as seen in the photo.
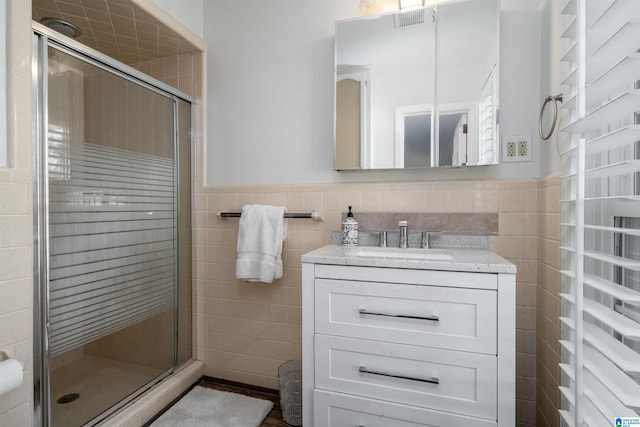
(350, 230)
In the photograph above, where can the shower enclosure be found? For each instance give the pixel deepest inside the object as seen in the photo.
(113, 227)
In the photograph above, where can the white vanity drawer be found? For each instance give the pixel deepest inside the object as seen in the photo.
(341, 410)
(433, 316)
(446, 380)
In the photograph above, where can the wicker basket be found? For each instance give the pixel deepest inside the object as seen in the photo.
(290, 381)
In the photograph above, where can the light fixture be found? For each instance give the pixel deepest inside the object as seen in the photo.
(410, 4)
(62, 26)
(369, 7)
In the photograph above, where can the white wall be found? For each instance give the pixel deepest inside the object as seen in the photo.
(188, 12)
(550, 77)
(270, 92)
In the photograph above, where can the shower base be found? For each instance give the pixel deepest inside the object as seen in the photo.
(101, 383)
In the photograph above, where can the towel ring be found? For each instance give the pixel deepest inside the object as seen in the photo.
(555, 99)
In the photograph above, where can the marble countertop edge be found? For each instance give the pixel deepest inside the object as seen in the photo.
(446, 259)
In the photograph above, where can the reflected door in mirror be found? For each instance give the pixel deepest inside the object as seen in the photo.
(352, 115)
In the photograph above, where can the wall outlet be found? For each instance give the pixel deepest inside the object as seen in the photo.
(523, 148)
(516, 148)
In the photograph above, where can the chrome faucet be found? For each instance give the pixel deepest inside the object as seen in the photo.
(426, 240)
(382, 239)
(403, 233)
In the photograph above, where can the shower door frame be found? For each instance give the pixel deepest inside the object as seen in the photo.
(43, 37)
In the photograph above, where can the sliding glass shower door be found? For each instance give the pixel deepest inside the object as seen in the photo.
(113, 229)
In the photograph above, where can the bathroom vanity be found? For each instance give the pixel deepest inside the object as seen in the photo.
(408, 337)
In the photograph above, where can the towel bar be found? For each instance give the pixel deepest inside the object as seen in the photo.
(309, 215)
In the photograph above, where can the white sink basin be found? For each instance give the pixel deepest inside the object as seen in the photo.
(416, 254)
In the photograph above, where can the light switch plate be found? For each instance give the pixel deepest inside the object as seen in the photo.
(516, 148)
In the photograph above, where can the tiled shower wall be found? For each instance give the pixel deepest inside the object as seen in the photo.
(245, 331)
(183, 72)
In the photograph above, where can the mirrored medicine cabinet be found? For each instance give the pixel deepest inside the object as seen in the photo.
(418, 88)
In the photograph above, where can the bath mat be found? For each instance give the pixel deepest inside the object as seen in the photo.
(212, 408)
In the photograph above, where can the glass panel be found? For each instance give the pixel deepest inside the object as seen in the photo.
(112, 233)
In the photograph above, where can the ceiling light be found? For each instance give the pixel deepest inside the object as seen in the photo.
(369, 7)
(63, 27)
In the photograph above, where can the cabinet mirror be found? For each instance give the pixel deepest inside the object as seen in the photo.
(418, 88)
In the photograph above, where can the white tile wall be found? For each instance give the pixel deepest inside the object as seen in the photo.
(16, 279)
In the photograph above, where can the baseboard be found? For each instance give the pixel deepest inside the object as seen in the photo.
(240, 385)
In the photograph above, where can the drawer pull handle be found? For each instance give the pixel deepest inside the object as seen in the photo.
(404, 316)
(432, 380)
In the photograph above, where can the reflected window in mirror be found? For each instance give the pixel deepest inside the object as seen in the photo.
(488, 121)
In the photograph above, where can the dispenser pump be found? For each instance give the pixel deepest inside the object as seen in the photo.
(350, 230)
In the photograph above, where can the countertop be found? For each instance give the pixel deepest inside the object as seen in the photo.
(455, 259)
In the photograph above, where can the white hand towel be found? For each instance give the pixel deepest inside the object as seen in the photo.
(261, 232)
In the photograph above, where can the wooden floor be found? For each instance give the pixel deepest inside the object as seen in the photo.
(275, 416)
